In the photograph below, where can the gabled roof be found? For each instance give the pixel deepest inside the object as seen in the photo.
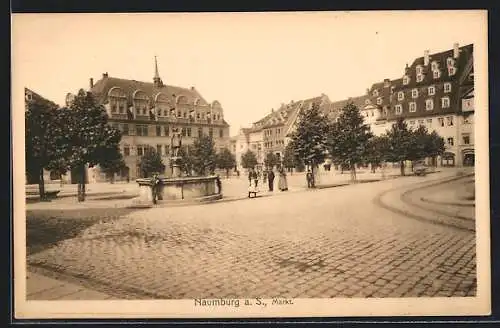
(102, 87)
(34, 95)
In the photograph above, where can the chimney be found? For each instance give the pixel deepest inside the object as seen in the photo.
(104, 75)
(367, 91)
(91, 83)
(272, 110)
(192, 88)
(426, 57)
(387, 83)
(456, 51)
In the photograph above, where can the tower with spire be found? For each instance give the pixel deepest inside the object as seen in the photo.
(158, 83)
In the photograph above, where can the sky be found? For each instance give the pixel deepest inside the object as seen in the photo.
(249, 62)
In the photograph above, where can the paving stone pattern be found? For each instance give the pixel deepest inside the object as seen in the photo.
(319, 243)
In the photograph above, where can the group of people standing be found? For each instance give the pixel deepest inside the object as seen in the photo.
(268, 176)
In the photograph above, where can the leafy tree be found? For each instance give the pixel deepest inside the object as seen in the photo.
(377, 149)
(348, 138)
(185, 161)
(309, 138)
(88, 138)
(271, 160)
(435, 146)
(113, 164)
(203, 155)
(401, 141)
(151, 162)
(290, 159)
(42, 127)
(225, 160)
(248, 159)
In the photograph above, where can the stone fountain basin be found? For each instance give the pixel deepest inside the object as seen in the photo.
(178, 189)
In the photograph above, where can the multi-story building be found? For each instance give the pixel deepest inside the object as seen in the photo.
(436, 91)
(147, 113)
(272, 133)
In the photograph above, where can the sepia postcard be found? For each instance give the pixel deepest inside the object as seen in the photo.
(251, 165)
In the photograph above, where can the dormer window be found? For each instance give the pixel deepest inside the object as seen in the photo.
(450, 62)
(419, 70)
(375, 93)
(367, 101)
(434, 66)
(445, 102)
(447, 87)
(436, 74)
(431, 90)
(392, 89)
(420, 77)
(401, 95)
(451, 71)
(379, 101)
(414, 93)
(406, 80)
(413, 107)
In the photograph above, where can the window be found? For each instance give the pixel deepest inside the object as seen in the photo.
(429, 121)
(449, 62)
(179, 113)
(412, 122)
(167, 131)
(375, 93)
(471, 77)
(466, 139)
(165, 112)
(367, 101)
(188, 132)
(221, 133)
(211, 132)
(414, 93)
(449, 120)
(379, 101)
(122, 109)
(434, 66)
(158, 130)
(197, 116)
(445, 102)
(429, 104)
(140, 151)
(420, 77)
(406, 80)
(401, 95)
(392, 89)
(125, 129)
(200, 132)
(399, 109)
(167, 149)
(431, 90)
(126, 150)
(419, 70)
(142, 130)
(158, 149)
(447, 87)
(450, 141)
(436, 74)
(420, 122)
(413, 107)
(184, 132)
(144, 110)
(451, 71)
(441, 121)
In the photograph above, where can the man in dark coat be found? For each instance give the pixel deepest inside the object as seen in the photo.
(270, 179)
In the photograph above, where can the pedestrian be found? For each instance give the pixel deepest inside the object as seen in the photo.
(155, 187)
(282, 183)
(270, 179)
(253, 177)
(309, 178)
(219, 184)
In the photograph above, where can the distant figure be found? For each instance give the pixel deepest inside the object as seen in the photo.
(310, 179)
(219, 184)
(270, 179)
(282, 183)
(176, 142)
(253, 177)
(155, 187)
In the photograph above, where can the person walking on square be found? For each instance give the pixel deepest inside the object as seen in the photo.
(253, 177)
(310, 179)
(282, 183)
(270, 179)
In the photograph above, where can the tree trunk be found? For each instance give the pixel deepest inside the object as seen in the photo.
(227, 173)
(81, 184)
(353, 173)
(41, 185)
(402, 168)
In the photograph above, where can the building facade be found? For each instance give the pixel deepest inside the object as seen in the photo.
(147, 113)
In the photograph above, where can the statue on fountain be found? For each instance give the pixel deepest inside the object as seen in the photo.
(176, 142)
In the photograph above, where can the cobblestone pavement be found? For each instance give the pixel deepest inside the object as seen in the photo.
(319, 243)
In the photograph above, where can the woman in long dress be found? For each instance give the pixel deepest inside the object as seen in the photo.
(282, 183)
